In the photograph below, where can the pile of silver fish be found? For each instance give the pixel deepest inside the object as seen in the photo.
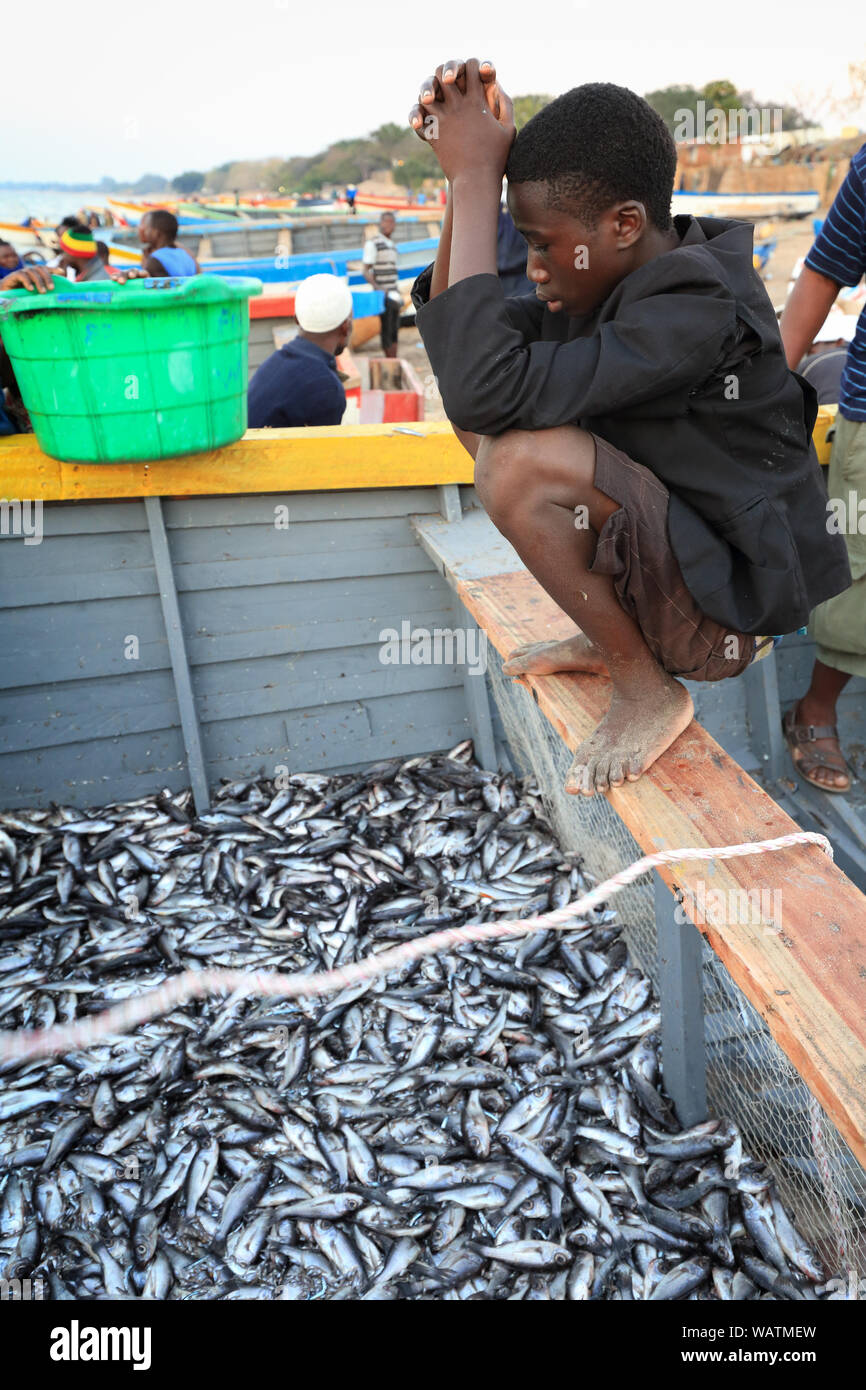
(483, 1124)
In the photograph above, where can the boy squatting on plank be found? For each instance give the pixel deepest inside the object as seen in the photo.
(644, 387)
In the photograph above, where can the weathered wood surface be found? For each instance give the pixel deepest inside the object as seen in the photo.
(808, 981)
(471, 550)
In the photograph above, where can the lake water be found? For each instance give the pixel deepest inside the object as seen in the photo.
(50, 204)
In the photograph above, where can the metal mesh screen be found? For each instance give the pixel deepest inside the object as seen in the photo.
(749, 1078)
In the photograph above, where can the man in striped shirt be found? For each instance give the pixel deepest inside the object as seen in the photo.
(380, 271)
(838, 626)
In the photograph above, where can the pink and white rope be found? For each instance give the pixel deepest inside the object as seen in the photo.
(196, 984)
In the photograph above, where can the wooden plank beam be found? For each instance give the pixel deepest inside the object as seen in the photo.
(765, 714)
(302, 460)
(177, 652)
(468, 551)
(317, 459)
(449, 502)
(807, 979)
(681, 995)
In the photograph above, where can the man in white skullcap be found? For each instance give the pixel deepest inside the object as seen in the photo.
(298, 384)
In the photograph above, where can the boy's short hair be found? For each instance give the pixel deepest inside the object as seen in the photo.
(163, 221)
(597, 145)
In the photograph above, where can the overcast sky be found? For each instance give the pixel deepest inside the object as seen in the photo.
(169, 85)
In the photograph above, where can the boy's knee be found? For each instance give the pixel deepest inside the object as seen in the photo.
(503, 469)
(515, 468)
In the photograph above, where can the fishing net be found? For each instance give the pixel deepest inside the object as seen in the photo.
(749, 1078)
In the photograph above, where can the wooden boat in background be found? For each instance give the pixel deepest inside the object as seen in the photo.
(412, 257)
(273, 239)
(25, 238)
(371, 202)
(747, 207)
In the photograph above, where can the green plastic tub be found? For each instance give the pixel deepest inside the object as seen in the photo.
(115, 373)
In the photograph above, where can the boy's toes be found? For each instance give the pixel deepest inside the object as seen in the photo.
(601, 778)
(516, 663)
(616, 776)
(633, 766)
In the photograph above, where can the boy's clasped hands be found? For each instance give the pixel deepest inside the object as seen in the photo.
(467, 118)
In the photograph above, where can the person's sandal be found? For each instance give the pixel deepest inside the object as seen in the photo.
(798, 736)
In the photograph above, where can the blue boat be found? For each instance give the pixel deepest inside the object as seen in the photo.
(232, 240)
(412, 257)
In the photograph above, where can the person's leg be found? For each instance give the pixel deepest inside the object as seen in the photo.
(393, 330)
(530, 483)
(837, 626)
(542, 658)
(471, 442)
(390, 320)
(817, 709)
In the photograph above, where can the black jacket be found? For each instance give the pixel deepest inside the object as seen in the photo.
(682, 368)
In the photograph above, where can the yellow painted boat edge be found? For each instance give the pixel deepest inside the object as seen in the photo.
(298, 460)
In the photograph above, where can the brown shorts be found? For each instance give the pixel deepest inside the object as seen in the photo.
(634, 548)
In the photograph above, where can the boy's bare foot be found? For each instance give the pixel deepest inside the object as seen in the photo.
(545, 658)
(630, 737)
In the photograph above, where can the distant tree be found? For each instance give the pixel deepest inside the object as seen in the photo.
(672, 102)
(150, 183)
(792, 117)
(668, 101)
(286, 174)
(414, 170)
(527, 107)
(309, 182)
(189, 182)
(389, 134)
(722, 94)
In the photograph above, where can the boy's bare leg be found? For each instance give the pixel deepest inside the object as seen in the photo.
(544, 658)
(469, 441)
(530, 482)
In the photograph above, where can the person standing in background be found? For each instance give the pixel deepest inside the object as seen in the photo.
(380, 271)
(838, 626)
(157, 232)
(351, 195)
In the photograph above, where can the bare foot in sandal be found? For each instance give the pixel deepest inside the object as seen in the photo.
(813, 742)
